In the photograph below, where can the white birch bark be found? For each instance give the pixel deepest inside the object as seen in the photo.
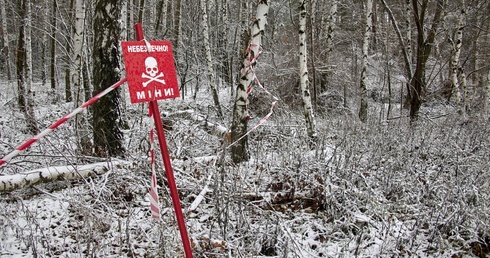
(239, 150)
(44, 41)
(209, 59)
(31, 120)
(52, 65)
(78, 41)
(244, 34)
(130, 18)
(303, 73)
(50, 174)
(455, 64)
(363, 110)
(124, 26)
(77, 66)
(313, 16)
(223, 44)
(332, 19)
(408, 37)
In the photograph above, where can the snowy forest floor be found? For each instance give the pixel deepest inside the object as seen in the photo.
(381, 189)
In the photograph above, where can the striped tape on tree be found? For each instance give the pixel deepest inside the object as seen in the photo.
(56, 124)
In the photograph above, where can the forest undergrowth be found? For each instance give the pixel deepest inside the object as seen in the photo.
(381, 189)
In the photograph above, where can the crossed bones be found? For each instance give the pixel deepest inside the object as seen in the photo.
(156, 78)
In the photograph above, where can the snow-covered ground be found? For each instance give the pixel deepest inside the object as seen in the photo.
(383, 189)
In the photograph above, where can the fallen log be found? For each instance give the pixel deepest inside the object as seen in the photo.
(50, 174)
(212, 127)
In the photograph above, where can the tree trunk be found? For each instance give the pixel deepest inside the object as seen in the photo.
(424, 47)
(455, 65)
(244, 35)
(408, 50)
(239, 150)
(404, 43)
(21, 61)
(31, 120)
(52, 71)
(107, 122)
(68, 52)
(50, 174)
(223, 62)
(332, 19)
(5, 47)
(169, 19)
(24, 67)
(130, 15)
(388, 75)
(312, 48)
(177, 26)
(125, 29)
(141, 10)
(303, 73)
(363, 110)
(44, 42)
(158, 20)
(374, 25)
(209, 59)
(330, 34)
(77, 68)
(486, 102)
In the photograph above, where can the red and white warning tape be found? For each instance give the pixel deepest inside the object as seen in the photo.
(56, 124)
(262, 121)
(244, 71)
(154, 203)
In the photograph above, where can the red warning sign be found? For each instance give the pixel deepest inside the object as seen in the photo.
(150, 70)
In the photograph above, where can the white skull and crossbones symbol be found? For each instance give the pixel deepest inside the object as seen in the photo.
(151, 72)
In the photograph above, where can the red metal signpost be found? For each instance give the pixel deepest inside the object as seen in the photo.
(170, 83)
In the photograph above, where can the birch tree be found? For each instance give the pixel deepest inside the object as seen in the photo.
(52, 67)
(303, 73)
(77, 66)
(107, 123)
(223, 53)
(252, 51)
(329, 44)
(69, 50)
(244, 35)
(312, 47)
(456, 51)
(24, 67)
(363, 110)
(209, 59)
(44, 41)
(332, 18)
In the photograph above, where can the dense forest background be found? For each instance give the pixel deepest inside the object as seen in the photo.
(351, 129)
